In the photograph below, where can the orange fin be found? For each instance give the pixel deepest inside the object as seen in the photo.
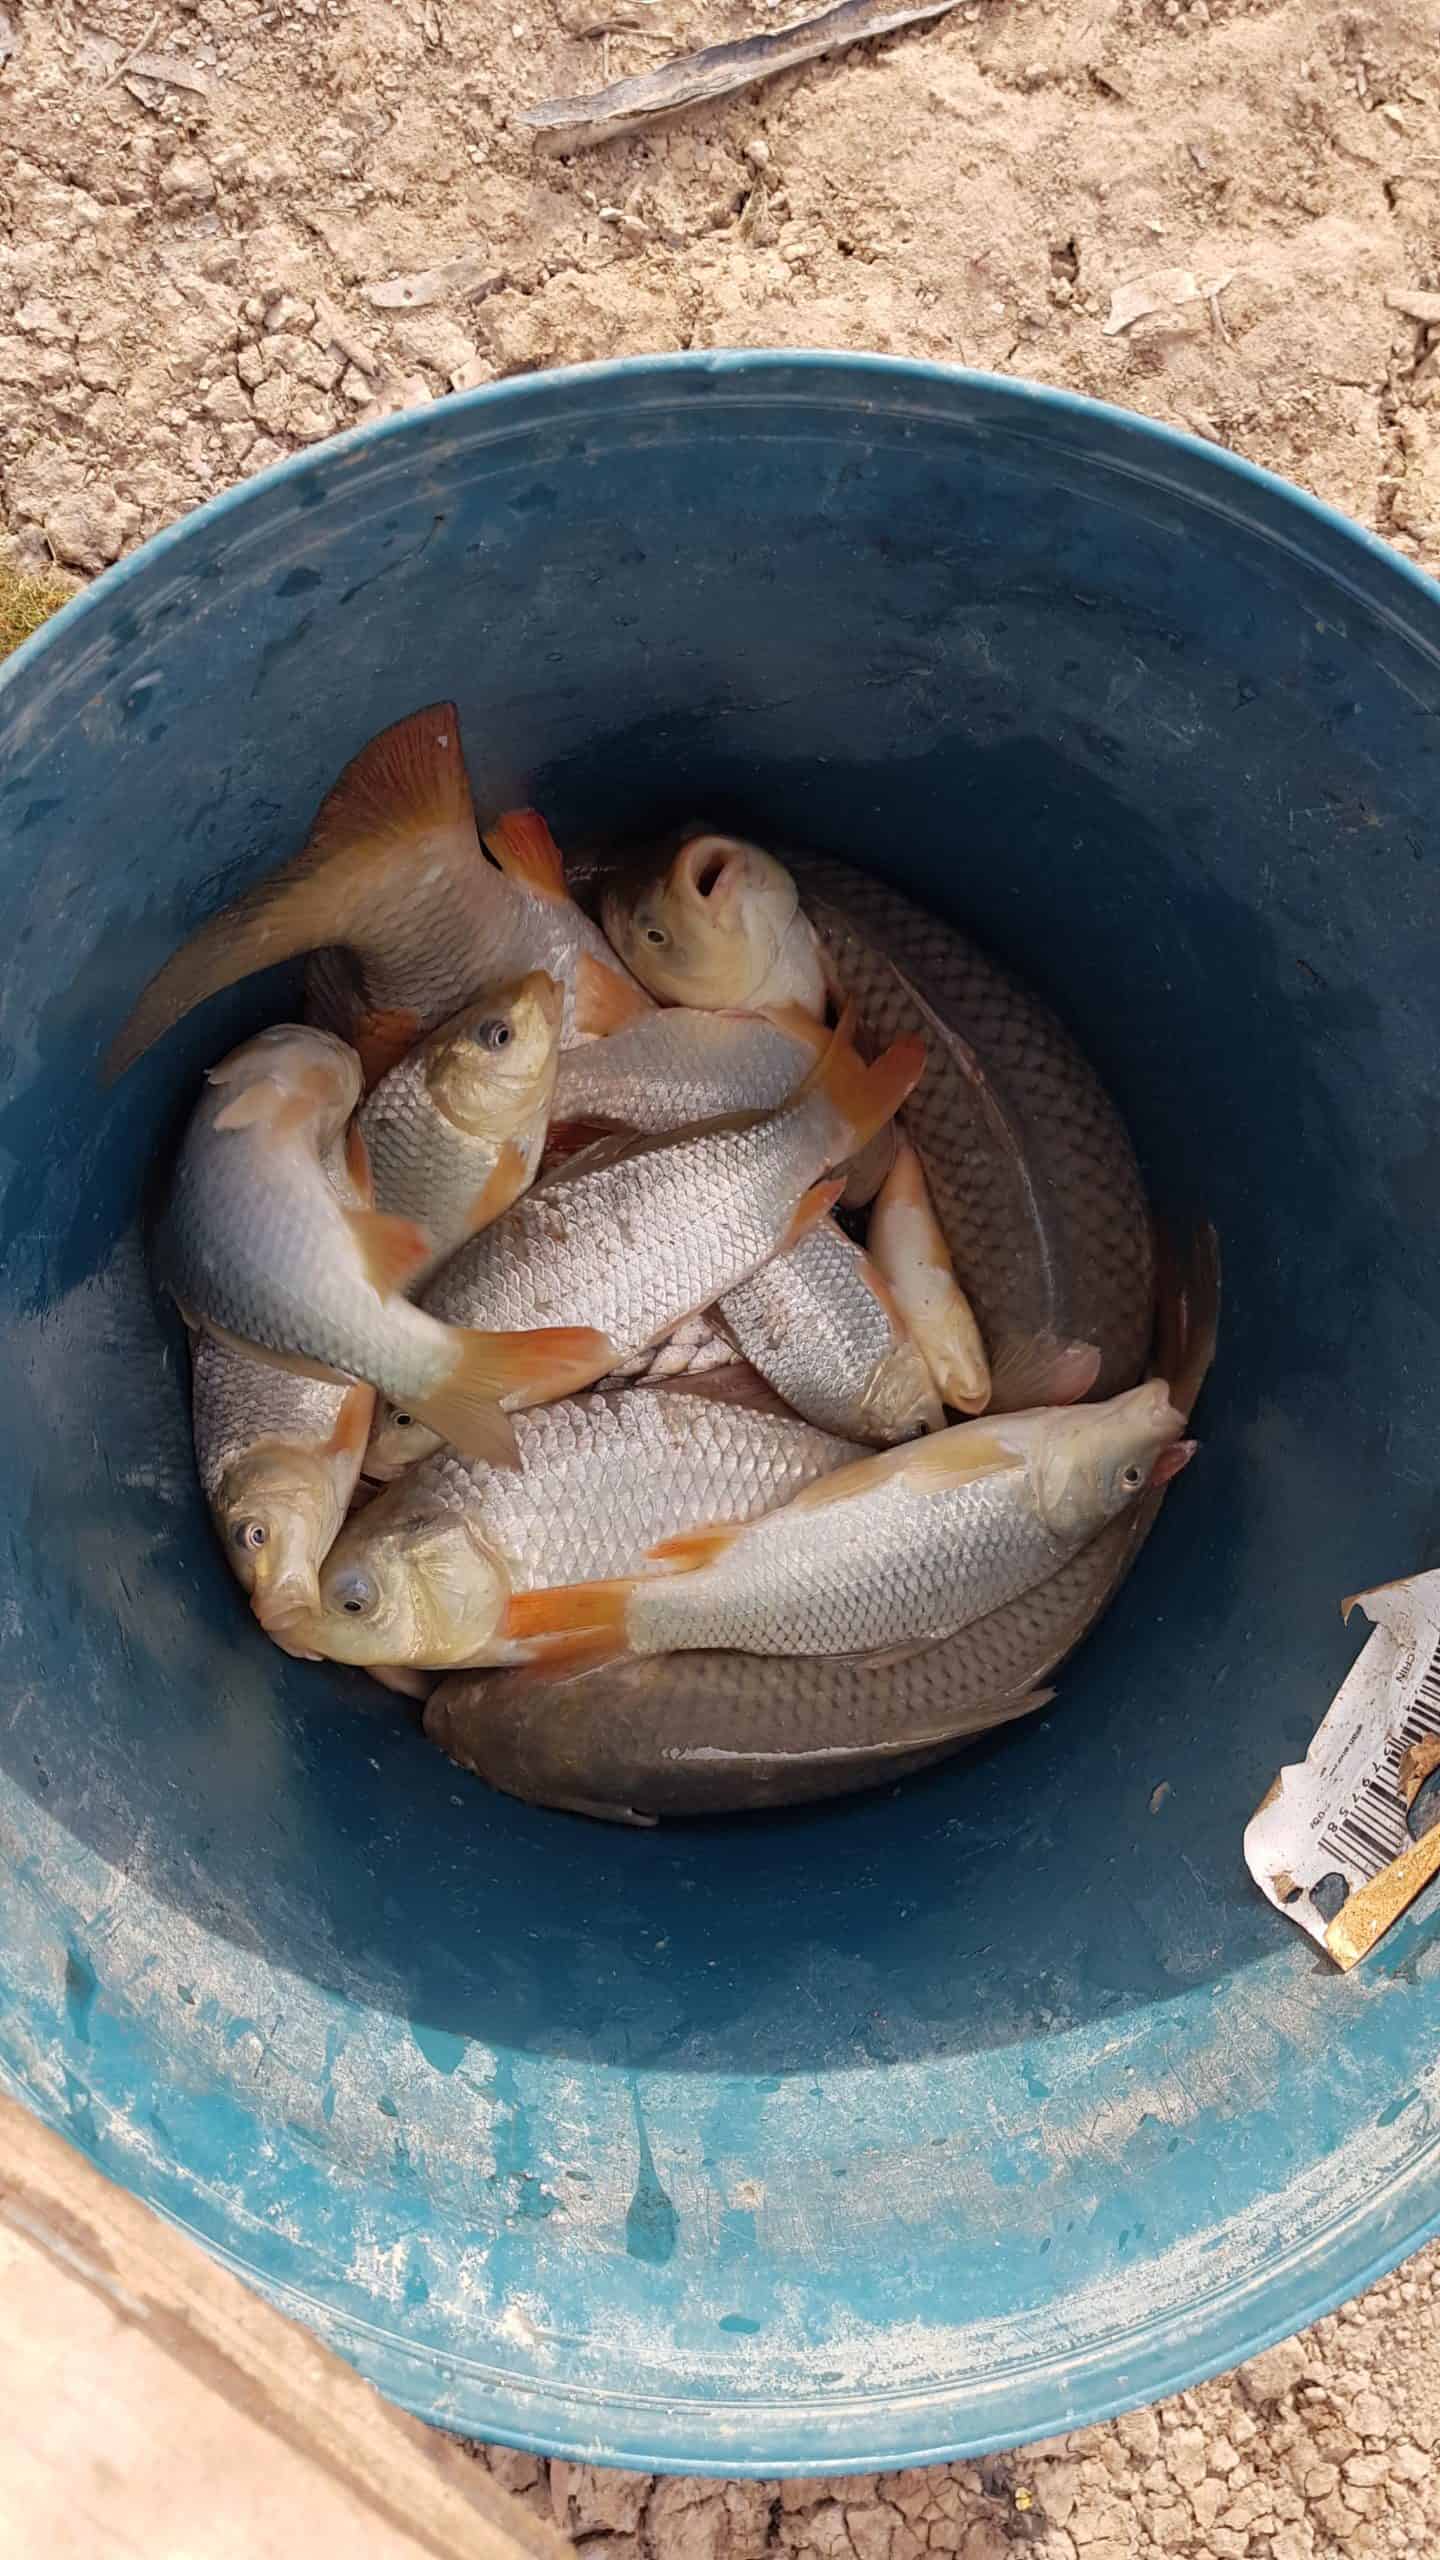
(573, 1628)
(571, 1138)
(357, 1163)
(810, 1210)
(526, 1368)
(689, 1549)
(382, 1038)
(528, 853)
(1042, 1371)
(352, 1424)
(508, 1177)
(864, 1097)
(866, 1173)
(393, 1250)
(605, 999)
(933, 1465)
(800, 1026)
(404, 789)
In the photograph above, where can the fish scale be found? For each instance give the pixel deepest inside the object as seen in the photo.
(1034, 1179)
(648, 1237)
(678, 1067)
(239, 1400)
(607, 1475)
(906, 1567)
(813, 1321)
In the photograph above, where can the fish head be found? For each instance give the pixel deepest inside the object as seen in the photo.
(279, 1509)
(1088, 1463)
(408, 1582)
(396, 1442)
(709, 930)
(491, 1069)
(288, 1080)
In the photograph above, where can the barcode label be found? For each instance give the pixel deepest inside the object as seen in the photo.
(1373, 1829)
(1344, 1810)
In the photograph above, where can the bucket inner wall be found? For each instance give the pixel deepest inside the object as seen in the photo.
(898, 2128)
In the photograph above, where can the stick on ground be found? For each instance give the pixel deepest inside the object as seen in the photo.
(695, 79)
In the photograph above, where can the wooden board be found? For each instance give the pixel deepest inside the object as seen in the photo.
(155, 2406)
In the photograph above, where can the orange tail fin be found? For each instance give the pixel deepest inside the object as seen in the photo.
(525, 1368)
(408, 786)
(864, 1097)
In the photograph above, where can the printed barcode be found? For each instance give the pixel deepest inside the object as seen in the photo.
(1373, 1829)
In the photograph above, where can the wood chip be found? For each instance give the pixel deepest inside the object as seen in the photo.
(696, 79)
(1424, 307)
(467, 278)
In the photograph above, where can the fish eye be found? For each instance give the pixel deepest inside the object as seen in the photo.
(656, 933)
(403, 1421)
(250, 1535)
(494, 1035)
(354, 1591)
(1133, 1478)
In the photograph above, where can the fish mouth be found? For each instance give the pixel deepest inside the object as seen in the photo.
(1171, 1462)
(284, 1605)
(704, 864)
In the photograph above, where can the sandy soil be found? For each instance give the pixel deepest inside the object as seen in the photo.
(205, 206)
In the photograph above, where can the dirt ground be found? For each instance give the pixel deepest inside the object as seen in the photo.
(227, 230)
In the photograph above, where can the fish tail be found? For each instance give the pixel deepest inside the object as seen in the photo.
(864, 1097)
(571, 1629)
(404, 789)
(525, 1368)
(1039, 1369)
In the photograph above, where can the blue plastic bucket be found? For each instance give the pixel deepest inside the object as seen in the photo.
(906, 2127)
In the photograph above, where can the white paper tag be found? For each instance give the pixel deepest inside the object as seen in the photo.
(1343, 1810)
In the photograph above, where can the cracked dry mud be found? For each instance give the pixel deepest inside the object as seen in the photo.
(212, 216)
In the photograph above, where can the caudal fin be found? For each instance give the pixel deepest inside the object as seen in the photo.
(408, 786)
(864, 1097)
(524, 1369)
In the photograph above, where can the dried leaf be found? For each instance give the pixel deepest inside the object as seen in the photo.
(466, 278)
(1168, 289)
(695, 79)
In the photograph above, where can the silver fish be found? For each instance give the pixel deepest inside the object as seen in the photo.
(643, 1232)
(456, 1131)
(820, 1323)
(897, 1550)
(705, 1733)
(678, 1066)
(419, 1578)
(258, 1245)
(278, 1459)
